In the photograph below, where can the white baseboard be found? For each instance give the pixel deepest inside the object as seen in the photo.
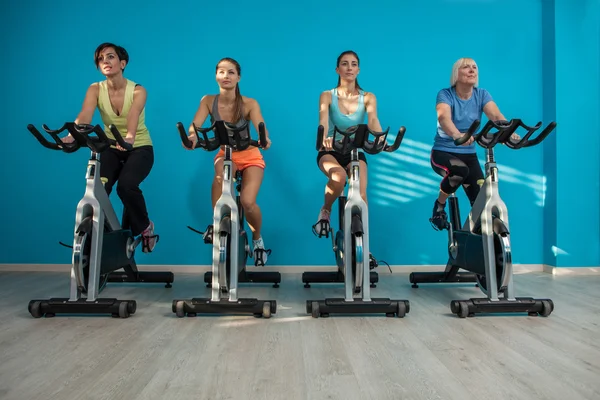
(293, 269)
(566, 271)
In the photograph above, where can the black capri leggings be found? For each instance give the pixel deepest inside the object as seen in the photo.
(129, 169)
(458, 169)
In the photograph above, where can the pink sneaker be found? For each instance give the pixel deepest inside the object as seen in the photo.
(149, 239)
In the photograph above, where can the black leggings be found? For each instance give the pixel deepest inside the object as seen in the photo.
(129, 168)
(458, 169)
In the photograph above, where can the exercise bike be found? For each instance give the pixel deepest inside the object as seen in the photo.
(351, 242)
(482, 246)
(228, 237)
(101, 245)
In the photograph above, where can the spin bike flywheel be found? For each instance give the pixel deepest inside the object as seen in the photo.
(81, 256)
(502, 255)
(357, 255)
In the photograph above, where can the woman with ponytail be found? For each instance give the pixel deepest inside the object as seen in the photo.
(230, 106)
(345, 106)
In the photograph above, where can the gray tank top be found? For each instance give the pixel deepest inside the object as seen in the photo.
(214, 116)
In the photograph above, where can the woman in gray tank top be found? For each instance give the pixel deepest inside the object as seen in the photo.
(230, 106)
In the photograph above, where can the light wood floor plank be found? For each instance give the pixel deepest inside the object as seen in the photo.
(429, 354)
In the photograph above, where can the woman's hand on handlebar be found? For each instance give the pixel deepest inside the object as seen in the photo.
(328, 143)
(128, 139)
(468, 142)
(266, 146)
(192, 137)
(68, 139)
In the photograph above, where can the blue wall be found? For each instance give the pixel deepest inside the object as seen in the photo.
(287, 52)
(577, 46)
(549, 144)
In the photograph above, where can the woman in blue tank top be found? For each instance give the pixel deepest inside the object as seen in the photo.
(457, 107)
(345, 106)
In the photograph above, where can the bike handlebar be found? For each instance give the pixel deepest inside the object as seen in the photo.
(357, 137)
(81, 135)
(503, 134)
(225, 135)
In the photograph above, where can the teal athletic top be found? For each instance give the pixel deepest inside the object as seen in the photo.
(343, 121)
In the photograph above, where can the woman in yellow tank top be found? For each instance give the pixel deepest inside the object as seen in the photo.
(122, 102)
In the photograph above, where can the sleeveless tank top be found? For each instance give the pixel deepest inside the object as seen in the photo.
(142, 136)
(343, 121)
(214, 116)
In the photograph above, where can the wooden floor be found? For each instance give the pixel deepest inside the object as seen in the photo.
(430, 354)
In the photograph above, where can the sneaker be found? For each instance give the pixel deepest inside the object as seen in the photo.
(321, 228)
(149, 239)
(260, 254)
(439, 220)
(207, 236)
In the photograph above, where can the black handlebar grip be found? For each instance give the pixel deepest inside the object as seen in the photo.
(64, 146)
(41, 139)
(542, 135)
(119, 138)
(397, 142)
(262, 135)
(184, 137)
(320, 133)
(463, 139)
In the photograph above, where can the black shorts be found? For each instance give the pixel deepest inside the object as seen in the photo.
(343, 160)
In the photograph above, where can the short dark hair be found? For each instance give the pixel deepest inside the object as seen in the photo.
(121, 53)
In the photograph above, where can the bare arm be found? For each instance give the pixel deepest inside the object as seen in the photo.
(492, 111)
(89, 105)
(256, 118)
(324, 103)
(444, 115)
(198, 120)
(200, 115)
(133, 117)
(371, 106)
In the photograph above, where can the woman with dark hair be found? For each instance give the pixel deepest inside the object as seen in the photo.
(344, 106)
(230, 106)
(122, 102)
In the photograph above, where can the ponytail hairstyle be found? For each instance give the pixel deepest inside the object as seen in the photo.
(339, 59)
(238, 112)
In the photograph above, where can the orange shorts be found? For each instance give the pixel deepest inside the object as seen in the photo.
(245, 158)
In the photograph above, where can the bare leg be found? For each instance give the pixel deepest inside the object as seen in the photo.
(363, 180)
(252, 179)
(337, 178)
(442, 197)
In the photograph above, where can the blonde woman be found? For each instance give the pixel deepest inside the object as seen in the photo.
(457, 107)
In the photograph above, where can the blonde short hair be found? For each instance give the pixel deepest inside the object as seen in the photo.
(458, 65)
